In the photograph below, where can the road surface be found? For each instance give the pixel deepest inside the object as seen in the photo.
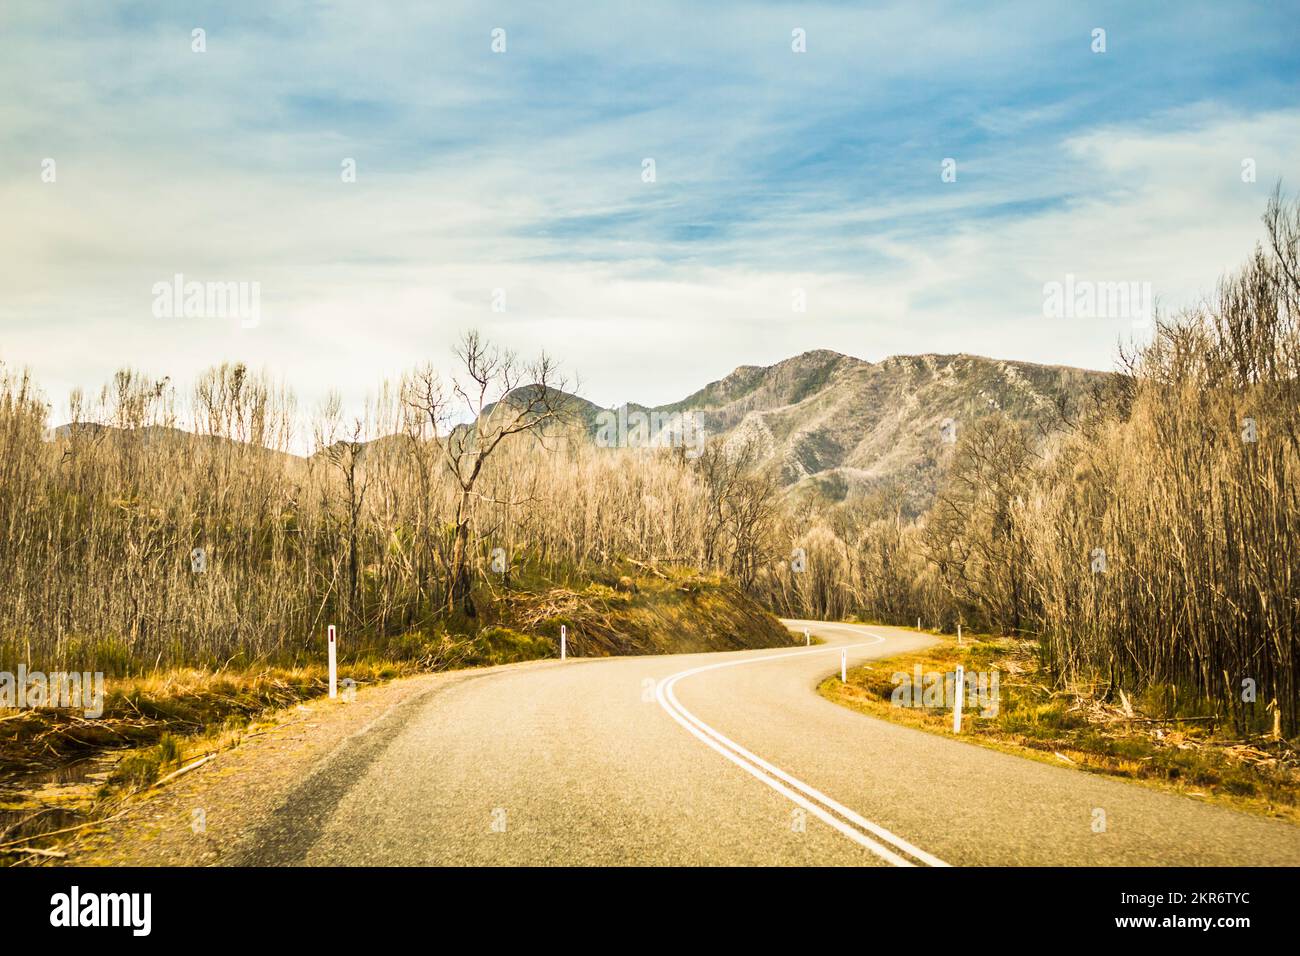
(716, 759)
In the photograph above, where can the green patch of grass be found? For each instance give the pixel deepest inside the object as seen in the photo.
(1044, 721)
(503, 645)
(143, 767)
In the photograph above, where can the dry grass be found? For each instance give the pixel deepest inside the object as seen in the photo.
(1147, 742)
(379, 531)
(669, 611)
(177, 703)
(156, 724)
(1153, 539)
(392, 526)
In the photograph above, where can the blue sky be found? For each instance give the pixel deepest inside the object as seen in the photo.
(522, 171)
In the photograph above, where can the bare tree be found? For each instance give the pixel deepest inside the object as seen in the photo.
(343, 448)
(503, 398)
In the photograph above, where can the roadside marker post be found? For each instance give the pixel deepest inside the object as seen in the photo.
(844, 667)
(958, 633)
(918, 623)
(957, 699)
(564, 641)
(334, 665)
(807, 638)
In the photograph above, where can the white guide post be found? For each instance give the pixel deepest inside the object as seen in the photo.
(844, 667)
(959, 695)
(564, 641)
(334, 664)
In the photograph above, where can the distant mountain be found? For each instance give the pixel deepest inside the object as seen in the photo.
(842, 426)
(839, 426)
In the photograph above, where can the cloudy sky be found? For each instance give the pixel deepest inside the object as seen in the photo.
(523, 171)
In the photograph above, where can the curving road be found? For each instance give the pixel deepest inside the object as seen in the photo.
(715, 759)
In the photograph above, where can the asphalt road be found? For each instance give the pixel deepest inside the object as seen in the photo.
(715, 759)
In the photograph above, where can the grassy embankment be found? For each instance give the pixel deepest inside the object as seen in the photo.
(1152, 740)
(155, 723)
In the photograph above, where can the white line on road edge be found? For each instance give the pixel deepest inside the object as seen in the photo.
(334, 665)
(755, 766)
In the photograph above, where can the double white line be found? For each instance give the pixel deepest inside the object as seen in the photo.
(889, 847)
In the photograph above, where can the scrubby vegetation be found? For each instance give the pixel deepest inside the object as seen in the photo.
(1152, 542)
(1156, 738)
(422, 539)
(1148, 541)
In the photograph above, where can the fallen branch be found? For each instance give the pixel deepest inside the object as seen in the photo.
(38, 852)
(185, 769)
(646, 567)
(1128, 708)
(79, 826)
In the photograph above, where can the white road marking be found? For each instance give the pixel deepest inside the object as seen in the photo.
(782, 782)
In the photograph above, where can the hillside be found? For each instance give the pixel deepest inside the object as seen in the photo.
(842, 426)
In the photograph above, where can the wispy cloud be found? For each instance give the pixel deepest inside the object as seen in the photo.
(522, 171)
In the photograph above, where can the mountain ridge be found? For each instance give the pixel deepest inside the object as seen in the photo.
(844, 425)
(840, 426)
